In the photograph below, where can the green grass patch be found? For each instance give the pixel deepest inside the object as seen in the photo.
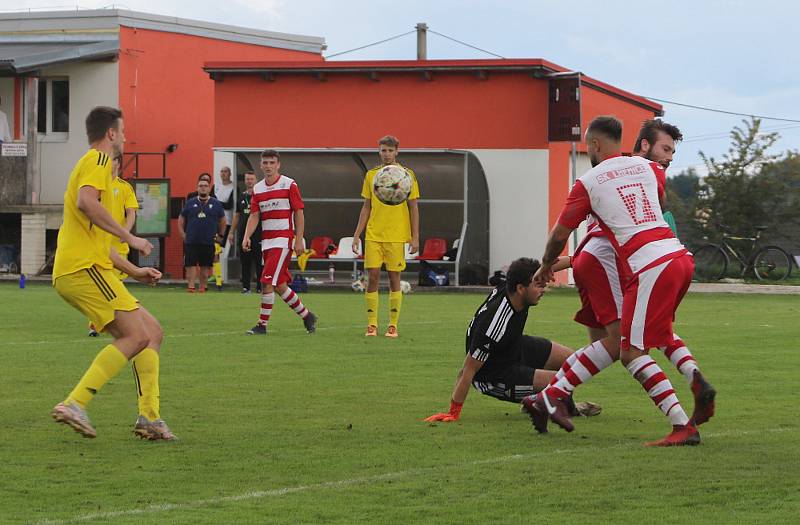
(326, 428)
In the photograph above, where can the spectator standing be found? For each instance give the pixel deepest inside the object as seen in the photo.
(253, 257)
(202, 222)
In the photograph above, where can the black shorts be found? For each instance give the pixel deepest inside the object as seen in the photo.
(198, 254)
(516, 381)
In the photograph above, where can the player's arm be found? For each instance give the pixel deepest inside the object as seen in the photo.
(146, 275)
(234, 223)
(572, 215)
(413, 209)
(89, 204)
(563, 262)
(363, 217)
(182, 227)
(299, 230)
(249, 229)
(460, 390)
(130, 218)
(222, 224)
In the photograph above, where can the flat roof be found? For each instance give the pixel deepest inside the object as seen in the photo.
(22, 23)
(538, 67)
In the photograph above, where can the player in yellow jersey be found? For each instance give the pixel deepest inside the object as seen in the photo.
(83, 275)
(124, 212)
(388, 228)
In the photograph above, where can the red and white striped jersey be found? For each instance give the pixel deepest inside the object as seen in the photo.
(623, 194)
(276, 204)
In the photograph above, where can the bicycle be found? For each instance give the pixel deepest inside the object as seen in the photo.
(769, 263)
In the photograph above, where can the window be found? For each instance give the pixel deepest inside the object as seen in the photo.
(53, 111)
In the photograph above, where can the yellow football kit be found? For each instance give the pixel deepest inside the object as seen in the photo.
(388, 228)
(83, 273)
(124, 199)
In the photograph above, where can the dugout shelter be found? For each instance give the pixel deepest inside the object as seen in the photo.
(492, 141)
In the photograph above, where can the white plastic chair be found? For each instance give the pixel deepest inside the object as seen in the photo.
(344, 249)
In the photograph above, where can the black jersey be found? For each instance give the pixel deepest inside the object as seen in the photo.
(494, 333)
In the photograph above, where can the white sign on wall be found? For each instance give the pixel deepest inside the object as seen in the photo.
(15, 149)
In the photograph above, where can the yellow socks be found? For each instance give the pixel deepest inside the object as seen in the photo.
(217, 269)
(372, 307)
(395, 302)
(106, 365)
(145, 366)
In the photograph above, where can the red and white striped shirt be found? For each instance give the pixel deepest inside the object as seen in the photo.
(623, 193)
(276, 204)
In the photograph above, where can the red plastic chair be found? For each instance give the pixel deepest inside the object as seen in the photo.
(433, 250)
(320, 246)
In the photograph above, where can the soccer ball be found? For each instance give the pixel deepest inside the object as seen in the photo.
(358, 286)
(392, 185)
(405, 286)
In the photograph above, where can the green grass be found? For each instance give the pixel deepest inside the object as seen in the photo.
(325, 428)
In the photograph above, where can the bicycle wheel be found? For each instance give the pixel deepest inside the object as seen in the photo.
(710, 263)
(772, 264)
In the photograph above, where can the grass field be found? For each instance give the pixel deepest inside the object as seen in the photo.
(325, 428)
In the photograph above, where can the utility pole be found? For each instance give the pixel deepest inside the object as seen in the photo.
(422, 41)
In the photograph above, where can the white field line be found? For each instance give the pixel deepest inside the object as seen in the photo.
(262, 494)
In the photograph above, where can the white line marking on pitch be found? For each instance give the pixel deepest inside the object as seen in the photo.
(261, 494)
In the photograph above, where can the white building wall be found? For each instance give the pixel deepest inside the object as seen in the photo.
(90, 84)
(518, 184)
(7, 104)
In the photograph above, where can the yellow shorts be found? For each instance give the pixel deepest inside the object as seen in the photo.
(393, 254)
(96, 293)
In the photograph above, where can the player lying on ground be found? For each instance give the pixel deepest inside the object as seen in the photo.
(502, 362)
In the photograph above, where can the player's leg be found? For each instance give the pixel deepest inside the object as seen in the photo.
(647, 314)
(395, 258)
(373, 260)
(205, 260)
(216, 266)
(190, 265)
(597, 279)
(101, 297)
(267, 279)
(704, 394)
(146, 367)
(290, 297)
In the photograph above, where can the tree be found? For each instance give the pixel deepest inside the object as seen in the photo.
(732, 195)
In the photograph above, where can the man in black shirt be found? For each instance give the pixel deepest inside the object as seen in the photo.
(502, 362)
(239, 223)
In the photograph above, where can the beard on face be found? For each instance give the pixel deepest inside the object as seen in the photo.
(649, 156)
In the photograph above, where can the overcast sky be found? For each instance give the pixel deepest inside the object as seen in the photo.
(732, 55)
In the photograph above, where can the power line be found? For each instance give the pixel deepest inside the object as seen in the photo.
(465, 44)
(726, 134)
(372, 44)
(703, 108)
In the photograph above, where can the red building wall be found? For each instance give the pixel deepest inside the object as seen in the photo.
(454, 110)
(167, 98)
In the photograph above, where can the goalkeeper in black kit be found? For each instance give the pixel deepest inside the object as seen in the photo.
(500, 360)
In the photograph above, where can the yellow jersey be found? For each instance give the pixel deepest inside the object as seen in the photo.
(81, 244)
(388, 223)
(124, 199)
